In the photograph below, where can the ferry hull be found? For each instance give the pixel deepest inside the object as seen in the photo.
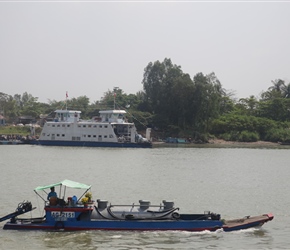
(90, 144)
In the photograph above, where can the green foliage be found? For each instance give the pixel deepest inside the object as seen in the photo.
(250, 128)
(142, 120)
(181, 105)
(246, 136)
(16, 130)
(243, 136)
(277, 109)
(234, 125)
(278, 135)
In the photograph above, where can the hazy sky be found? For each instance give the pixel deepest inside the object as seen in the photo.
(90, 47)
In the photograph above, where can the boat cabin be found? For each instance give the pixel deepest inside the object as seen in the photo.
(67, 115)
(113, 116)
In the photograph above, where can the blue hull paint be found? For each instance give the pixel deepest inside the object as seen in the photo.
(90, 144)
(122, 226)
(193, 226)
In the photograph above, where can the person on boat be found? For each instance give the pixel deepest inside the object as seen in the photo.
(52, 193)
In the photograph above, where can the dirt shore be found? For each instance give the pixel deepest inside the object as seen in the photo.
(217, 143)
(223, 142)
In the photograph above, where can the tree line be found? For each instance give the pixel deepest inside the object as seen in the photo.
(174, 104)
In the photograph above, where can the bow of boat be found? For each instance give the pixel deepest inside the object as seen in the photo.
(247, 222)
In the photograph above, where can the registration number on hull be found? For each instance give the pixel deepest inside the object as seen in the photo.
(62, 216)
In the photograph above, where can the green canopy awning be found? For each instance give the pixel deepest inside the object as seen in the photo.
(67, 183)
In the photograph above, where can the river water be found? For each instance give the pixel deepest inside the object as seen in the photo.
(234, 182)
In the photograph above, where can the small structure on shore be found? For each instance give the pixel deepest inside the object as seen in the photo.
(2, 120)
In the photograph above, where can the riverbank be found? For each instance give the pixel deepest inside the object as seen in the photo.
(218, 143)
(261, 143)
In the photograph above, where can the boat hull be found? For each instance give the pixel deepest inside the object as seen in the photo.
(143, 225)
(90, 144)
(120, 225)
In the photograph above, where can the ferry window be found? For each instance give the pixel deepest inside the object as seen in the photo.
(106, 126)
(89, 135)
(111, 136)
(84, 136)
(100, 136)
(63, 125)
(95, 126)
(53, 125)
(58, 125)
(79, 126)
(101, 126)
(57, 134)
(68, 126)
(105, 136)
(62, 135)
(84, 126)
(94, 136)
(89, 126)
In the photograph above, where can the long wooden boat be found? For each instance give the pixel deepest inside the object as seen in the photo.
(70, 214)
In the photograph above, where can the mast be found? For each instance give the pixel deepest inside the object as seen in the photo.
(115, 90)
(66, 96)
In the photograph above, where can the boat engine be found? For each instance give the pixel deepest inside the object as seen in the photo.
(215, 216)
(24, 207)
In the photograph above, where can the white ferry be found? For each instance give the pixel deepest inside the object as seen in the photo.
(110, 129)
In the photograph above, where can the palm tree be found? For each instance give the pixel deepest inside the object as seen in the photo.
(286, 90)
(275, 91)
(277, 85)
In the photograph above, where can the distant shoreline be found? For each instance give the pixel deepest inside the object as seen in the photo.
(218, 143)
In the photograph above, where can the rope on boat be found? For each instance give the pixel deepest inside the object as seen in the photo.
(131, 115)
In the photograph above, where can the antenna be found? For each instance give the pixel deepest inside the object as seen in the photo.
(66, 96)
(115, 90)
